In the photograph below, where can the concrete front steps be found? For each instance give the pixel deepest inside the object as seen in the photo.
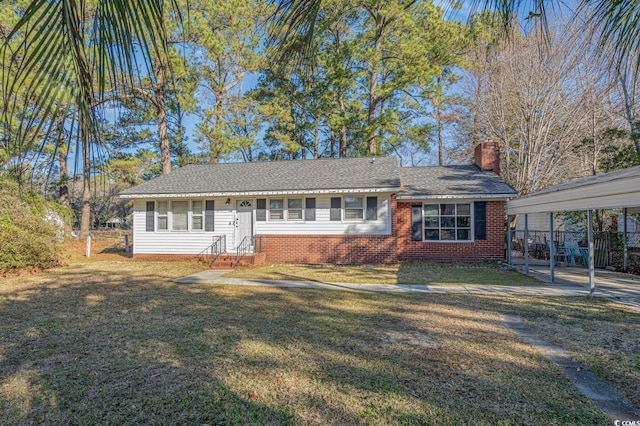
(229, 261)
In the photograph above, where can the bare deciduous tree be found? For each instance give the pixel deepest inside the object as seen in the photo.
(540, 99)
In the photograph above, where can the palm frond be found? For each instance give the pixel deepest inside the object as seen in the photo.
(291, 32)
(617, 24)
(64, 51)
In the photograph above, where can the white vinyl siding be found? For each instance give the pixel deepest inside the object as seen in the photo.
(322, 225)
(194, 241)
(180, 242)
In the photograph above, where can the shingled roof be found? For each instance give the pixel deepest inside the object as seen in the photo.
(452, 181)
(325, 175)
(366, 173)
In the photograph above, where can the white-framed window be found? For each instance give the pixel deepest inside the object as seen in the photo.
(179, 215)
(197, 216)
(276, 209)
(447, 222)
(294, 209)
(372, 208)
(353, 208)
(163, 215)
(336, 209)
(310, 209)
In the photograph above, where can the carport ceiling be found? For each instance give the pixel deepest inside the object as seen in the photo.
(613, 190)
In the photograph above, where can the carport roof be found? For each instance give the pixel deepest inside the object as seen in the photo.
(617, 189)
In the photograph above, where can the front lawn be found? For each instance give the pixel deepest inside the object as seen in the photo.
(403, 273)
(120, 343)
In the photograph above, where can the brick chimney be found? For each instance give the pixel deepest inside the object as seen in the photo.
(487, 156)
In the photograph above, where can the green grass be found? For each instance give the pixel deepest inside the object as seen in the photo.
(120, 343)
(428, 274)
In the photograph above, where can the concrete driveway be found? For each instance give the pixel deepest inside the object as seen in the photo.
(616, 286)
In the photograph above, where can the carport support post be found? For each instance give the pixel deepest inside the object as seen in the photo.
(552, 250)
(592, 269)
(625, 261)
(526, 243)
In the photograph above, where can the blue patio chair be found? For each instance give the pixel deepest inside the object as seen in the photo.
(573, 251)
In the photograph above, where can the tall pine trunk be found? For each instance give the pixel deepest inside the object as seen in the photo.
(161, 115)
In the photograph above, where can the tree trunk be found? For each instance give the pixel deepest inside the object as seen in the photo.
(85, 219)
(438, 105)
(373, 98)
(316, 141)
(161, 114)
(343, 129)
(629, 103)
(440, 161)
(64, 178)
(63, 189)
(181, 154)
(371, 113)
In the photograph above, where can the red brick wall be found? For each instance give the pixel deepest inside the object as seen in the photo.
(491, 248)
(336, 249)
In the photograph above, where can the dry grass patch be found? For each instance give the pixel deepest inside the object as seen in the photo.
(120, 343)
(605, 338)
(427, 274)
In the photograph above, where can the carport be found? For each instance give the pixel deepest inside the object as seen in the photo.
(614, 190)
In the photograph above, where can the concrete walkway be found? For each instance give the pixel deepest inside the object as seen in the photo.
(603, 396)
(216, 277)
(618, 287)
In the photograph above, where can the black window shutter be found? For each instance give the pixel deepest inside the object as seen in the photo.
(261, 209)
(416, 222)
(372, 208)
(310, 209)
(480, 220)
(151, 207)
(209, 215)
(336, 206)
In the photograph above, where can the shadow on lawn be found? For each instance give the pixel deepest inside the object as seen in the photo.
(125, 348)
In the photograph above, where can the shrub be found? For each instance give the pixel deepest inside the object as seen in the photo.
(28, 240)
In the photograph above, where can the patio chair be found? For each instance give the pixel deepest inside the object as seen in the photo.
(573, 251)
(558, 252)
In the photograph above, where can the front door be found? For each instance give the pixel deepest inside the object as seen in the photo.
(244, 220)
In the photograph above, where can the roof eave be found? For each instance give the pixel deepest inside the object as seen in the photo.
(453, 196)
(257, 193)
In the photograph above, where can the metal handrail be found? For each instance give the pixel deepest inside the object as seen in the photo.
(217, 247)
(246, 245)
